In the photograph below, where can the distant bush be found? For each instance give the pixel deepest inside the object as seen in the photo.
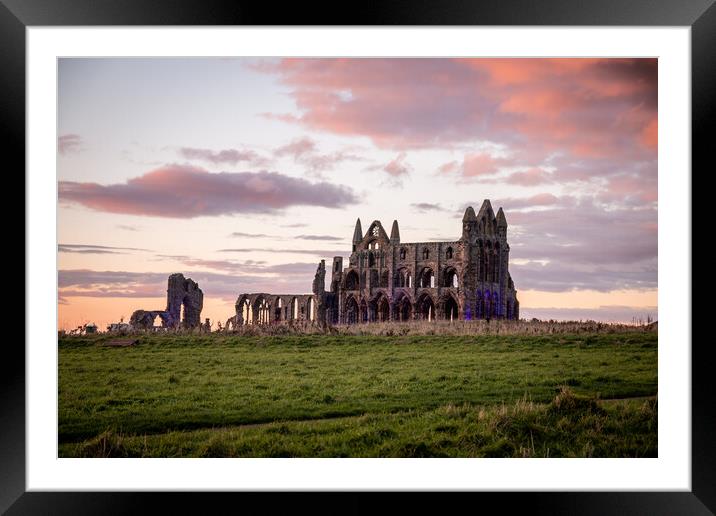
(476, 327)
(479, 327)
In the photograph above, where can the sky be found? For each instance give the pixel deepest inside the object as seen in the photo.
(243, 173)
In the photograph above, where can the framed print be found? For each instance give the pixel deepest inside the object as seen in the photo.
(215, 157)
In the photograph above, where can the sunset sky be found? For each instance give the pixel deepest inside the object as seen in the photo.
(243, 173)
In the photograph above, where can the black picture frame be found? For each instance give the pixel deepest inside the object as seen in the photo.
(16, 15)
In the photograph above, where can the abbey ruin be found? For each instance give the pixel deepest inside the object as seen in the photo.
(389, 280)
(184, 303)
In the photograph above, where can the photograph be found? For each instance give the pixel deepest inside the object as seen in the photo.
(426, 249)
(357, 257)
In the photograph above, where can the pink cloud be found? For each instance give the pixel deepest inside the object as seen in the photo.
(321, 162)
(587, 111)
(397, 167)
(475, 165)
(296, 148)
(182, 191)
(449, 168)
(69, 143)
(531, 177)
(630, 187)
(229, 156)
(479, 165)
(650, 134)
(403, 103)
(305, 152)
(541, 199)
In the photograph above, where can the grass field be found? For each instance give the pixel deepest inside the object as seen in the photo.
(571, 395)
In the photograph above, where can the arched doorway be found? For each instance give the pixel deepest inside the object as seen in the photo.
(294, 308)
(450, 309)
(278, 310)
(382, 309)
(247, 314)
(363, 311)
(403, 309)
(351, 311)
(311, 307)
(426, 308)
(263, 310)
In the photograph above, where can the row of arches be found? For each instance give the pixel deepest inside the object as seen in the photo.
(487, 306)
(488, 272)
(380, 309)
(372, 259)
(377, 279)
(403, 278)
(264, 311)
(489, 267)
(488, 258)
(425, 253)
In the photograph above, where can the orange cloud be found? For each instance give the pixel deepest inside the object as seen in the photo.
(650, 134)
(571, 106)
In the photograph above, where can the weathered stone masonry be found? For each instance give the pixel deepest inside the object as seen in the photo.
(387, 280)
(181, 292)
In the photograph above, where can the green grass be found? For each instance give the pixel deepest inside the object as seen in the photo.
(336, 396)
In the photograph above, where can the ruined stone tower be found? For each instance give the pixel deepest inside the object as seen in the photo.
(183, 294)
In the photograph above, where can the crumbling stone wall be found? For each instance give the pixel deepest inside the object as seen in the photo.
(263, 308)
(143, 319)
(181, 291)
(319, 290)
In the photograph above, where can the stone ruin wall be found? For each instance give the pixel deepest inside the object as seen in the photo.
(181, 291)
